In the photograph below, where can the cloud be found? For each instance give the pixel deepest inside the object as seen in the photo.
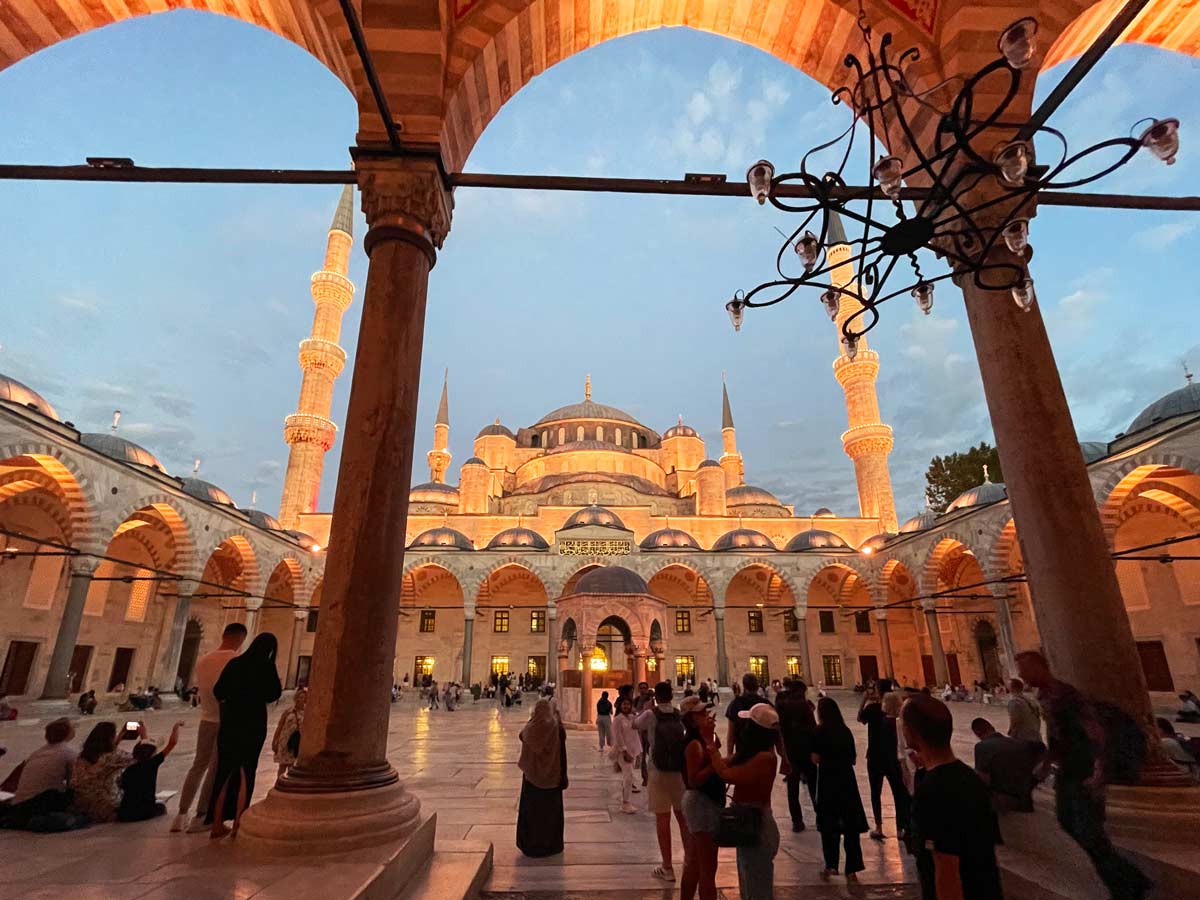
(173, 404)
(1076, 313)
(175, 445)
(699, 108)
(80, 305)
(1161, 237)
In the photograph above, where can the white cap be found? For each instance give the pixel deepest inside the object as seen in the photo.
(763, 714)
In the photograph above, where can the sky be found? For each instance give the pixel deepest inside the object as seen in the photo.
(182, 305)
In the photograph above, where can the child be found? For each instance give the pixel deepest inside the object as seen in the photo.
(286, 741)
(139, 781)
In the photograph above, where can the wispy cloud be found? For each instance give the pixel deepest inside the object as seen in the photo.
(1162, 237)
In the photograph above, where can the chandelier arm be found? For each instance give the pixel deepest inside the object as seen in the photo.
(792, 287)
(818, 187)
(813, 278)
(956, 119)
(1132, 146)
(849, 131)
(1020, 273)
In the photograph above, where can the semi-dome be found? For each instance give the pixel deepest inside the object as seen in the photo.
(263, 520)
(980, 495)
(518, 537)
(495, 429)
(120, 449)
(749, 495)
(680, 430)
(443, 537)
(824, 513)
(15, 392)
(1182, 402)
(744, 539)
(611, 580)
(475, 461)
(920, 522)
(594, 515)
(434, 492)
(815, 539)
(1093, 450)
(206, 491)
(708, 464)
(875, 542)
(586, 410)
(669, 539)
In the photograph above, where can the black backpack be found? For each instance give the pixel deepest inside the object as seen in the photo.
(1125, 748)
(668, 741)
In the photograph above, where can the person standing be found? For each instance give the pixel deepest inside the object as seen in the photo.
(244, 689)
(543, 765)
(703, 800)
(797, 725)
(204, 764)
(663, 727)
(954, 828)
(839, 806)
(1024, 714)
(286, 742)
(433, 695)
(1075, 741)
(641, 701)
(1006, 766)
(741, 702)
(883, 758)
(604, 722)
(627, 746)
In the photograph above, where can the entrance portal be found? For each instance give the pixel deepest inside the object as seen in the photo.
(989, 655)
(189, 651)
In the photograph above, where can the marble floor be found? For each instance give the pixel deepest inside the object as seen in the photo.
(462, 765)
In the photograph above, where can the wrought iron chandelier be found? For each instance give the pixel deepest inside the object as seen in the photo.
(971, 200)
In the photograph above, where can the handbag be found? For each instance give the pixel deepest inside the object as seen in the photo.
(738, 825)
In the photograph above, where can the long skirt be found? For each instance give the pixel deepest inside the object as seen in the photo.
(540, 820)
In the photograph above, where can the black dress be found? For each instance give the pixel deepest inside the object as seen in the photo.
(244, 689)
(540, 820)
(839, 805)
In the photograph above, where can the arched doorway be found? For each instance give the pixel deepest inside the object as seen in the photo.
(989, 652)
(610, 657)
(192, 635)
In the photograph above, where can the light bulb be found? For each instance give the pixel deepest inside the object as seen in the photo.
(759, 177)
(923, 294)
(1016, 235)
(808, 248)
(1019, 42)
(1023, 294)
(737, 312)
(832, 302)
(1013, 162)
(850, 342)
(888, 172)
(1162, 139)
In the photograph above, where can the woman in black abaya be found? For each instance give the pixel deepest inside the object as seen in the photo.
(544, 769)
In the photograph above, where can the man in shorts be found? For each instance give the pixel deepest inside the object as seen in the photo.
(663, 726)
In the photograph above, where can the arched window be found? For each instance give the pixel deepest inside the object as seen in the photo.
(562, 435)
(139, 596)
(545, 438)
(535, 440)
(599, 432)
(618, 439)
(579, 433)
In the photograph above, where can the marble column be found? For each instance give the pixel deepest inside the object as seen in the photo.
(941, 669)
(885, 643)
(468, 640)
(1004, 630)
(564, 662)
(551, 642)
(58, 676)
(253, 605)
(343, 793)
(722, 656)
(1067, 560)
(299, 625)
(639, 664)
(810, 676)
(585, 692)
(168, 664)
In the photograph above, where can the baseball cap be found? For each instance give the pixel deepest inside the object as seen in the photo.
(761, 714)
(690, 705)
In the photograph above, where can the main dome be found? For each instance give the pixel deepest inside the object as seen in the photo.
(120, 449)
(611, 580)
(15, 392)
(586, 410)
(434, 492)
(1181, 402)
(594, 515)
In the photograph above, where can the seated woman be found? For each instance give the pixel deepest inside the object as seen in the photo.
(139, 781)
(96, 772)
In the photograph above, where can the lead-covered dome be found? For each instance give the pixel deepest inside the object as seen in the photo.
(920, 522)
(744, 539)
(495, 429)
(15, 392)
(749, 495)
(824, 513)
(1182, 402)
(815, 539)
(444, 538)
(1093, 450)
(263, 520)
(118, 448)
(875, 542)
(434, 492)
(680, 430)
(518, 537)
(669, 539)
(206, 491)
(611, 580)
(586, 410)
(980, 495)
(594, 515)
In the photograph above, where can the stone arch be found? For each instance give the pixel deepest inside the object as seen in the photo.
(523, 562)
(36, 488)
(410, 589)
(176, 519)
(77, 489)
(1120, 480)
(243, 547)
(784, 578)
(564, 584)
(703, 597)
(1170, 26)
(944, 543)
(485, 591)
(849, 581)
(289, 567)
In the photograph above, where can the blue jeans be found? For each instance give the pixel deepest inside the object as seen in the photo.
(756, 865)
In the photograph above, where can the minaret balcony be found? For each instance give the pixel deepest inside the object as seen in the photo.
(862, 440)
(317, 353)
(864, 365)
(306, 428)
(333, 288)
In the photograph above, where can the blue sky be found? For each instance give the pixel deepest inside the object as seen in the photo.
(182, 305)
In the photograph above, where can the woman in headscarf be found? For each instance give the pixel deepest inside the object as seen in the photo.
(247, 684)
(840, 813)
(543, 766)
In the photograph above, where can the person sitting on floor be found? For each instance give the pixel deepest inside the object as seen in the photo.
(96, 771)
(1189, 709)
(139, 781)
(43, 785)
(87, 703)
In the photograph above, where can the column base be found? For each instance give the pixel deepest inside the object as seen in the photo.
(53, 708)
(290, 823)
(1167, 815)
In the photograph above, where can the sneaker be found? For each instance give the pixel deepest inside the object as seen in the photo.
(197, 825)
(877, 835)
(636, 789)
(663, 874)
(179, 822)
(628, 808)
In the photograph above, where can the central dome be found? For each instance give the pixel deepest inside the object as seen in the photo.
(586, 410)
(611, 580)
(594, 515)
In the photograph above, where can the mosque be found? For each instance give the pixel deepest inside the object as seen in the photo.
(586, 541)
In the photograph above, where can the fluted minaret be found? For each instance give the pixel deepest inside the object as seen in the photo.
(439, 456)
(867, 441)
(731, 460)
(309, 431)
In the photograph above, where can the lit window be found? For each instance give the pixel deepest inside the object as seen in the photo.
(755, 617)
(826, 618)
(428, 620)
(683, 621)
(422, 666)
(760, 669)
(833, 670)
(862, 622)
(790, 622)
(500, 665)
(536, 666)
(537, 621)
(579, 433)
(500, 621)
(685, 667)
(139, 596)
(793, 666)
(651, 664)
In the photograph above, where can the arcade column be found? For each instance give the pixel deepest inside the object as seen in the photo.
(58, 676)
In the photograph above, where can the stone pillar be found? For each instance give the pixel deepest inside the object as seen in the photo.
(299, 624)
(1070, 570)
(58, 676)
(1008, 644)
(885, 643)
(564, 658)
(660, 661)
(342, 793)
(585, 689)
(253, 605)
(468, 639)
(810, 676)
(722, 656)
(941, 670)
(639, 664)
(551, 642)
(168, 665)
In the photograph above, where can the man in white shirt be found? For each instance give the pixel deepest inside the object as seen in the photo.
(663, 725)
(49, 767)
(208, 670)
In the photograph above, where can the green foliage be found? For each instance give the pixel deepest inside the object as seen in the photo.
(950, 475)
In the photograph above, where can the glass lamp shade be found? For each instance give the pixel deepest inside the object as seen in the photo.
(850, 344)
(1162, 139)
(887, 173)
(1018, 43)
(759, 177)
(1023, 294)
(737, 312)
(831, 301)
(808, 248)
(1013, 162)
(923, 294)
(1016, 235)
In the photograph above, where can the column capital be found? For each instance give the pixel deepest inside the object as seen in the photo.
(881, 615)
(634, 649)
(300, 614)
(405, 197)
(83, 566)
(719, 613)
(929, 605)
(253, 604)
(551, 611)
(185, 587)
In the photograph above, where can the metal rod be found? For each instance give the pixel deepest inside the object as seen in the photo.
(1086, 62)
(364, 55)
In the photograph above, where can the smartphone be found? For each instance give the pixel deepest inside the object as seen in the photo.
(132, 729)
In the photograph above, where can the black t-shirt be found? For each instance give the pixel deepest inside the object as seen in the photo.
(1067, 714)
(603, 707)
(139, 782)
(736, 705)
(881, 735)
(952, 814)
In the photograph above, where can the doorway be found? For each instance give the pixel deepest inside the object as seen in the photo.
(868, 667)
(989, 654)
(1155, 667)
(122, 663)
(18, 663)
(192, 633)
(81, 657)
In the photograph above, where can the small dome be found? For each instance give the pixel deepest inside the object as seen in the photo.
(748, 495)
(815, 539)
(120, 449)
(611, 580)
(475, 461)
(518, 537)
(594, 515)
(743, 539)
(1093, 450)
(669, 539)
(708, 464)
(1182, 402)
(206, 491)
(303, 538)
(680, 430)
(495, 429)
(433, 492)
(263, 520)
(15, 392)
(876, 542)
(920, 522)
(824, 513)
(981, 495)
(443, 537)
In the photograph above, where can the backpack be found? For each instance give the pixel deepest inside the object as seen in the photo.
(1125, 748)
(668, 743)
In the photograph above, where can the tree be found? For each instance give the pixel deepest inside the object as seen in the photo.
(950, 475)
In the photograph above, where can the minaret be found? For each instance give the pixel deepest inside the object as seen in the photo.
(731, 460)
(309, 431)
(867, 441)
(439, 456)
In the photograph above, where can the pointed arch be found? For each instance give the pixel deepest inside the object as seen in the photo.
(76, 489)
(173, 514)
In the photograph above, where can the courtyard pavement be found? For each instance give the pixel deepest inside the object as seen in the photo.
(462, 765)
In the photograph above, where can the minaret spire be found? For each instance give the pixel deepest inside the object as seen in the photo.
(443, 413)
(309, 431)
(439, 456)
(731, 460)
(587, 387)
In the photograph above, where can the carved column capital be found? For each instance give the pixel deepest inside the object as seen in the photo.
(404, 199)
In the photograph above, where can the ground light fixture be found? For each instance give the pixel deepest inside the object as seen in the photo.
(980, 180)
